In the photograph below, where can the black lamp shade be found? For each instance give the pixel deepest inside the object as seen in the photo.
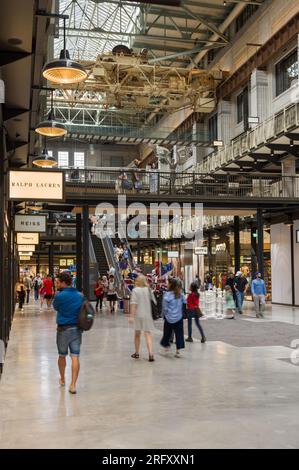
(64, 70)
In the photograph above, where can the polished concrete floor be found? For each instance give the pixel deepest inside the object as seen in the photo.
(215, 396)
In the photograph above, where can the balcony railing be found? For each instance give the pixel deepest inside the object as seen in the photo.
(269, 130)
(217, 186)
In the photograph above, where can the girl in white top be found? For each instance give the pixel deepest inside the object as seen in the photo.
(141, 314)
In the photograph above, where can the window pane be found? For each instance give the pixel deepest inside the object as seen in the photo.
(63, 159)
(79, 159)
(286, 72)
(240, 108)
(213, 128)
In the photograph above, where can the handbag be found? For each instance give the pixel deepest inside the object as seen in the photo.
(154, 307)
(198, 312)
(185, 312)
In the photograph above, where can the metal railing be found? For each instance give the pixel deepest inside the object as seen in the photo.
(161, 134)
(284, 121)
(216, 186)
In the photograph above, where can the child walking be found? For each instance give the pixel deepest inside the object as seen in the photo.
(230, 305)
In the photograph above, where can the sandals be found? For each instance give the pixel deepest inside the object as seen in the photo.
(151, 359)
(135, 356)
(72, 390)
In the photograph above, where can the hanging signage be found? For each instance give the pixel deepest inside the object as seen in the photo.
(24, 258)
(29, 223)
(221, 247)
(36, 185)
(66, 262)
(173, 254)
(26, 248)
(253, 120)
(25, 253)
(201, 250)
(27, 238)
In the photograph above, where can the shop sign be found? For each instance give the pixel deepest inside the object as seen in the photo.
(27, 238)
(221, 248)
(24, 258)
(297, 236)
(36, 185)
(201, 250)
(173, 254)
(25, 253)
(66, 262)
(26, 248)
(29, 223)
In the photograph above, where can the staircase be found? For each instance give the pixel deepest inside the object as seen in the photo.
(100, 255)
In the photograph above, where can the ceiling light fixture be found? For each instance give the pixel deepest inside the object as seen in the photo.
(44, 160)
(215, 237)
(50, 127)
(64, 70)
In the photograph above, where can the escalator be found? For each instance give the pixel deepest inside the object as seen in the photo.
(104, 253)
(123, 238)
(103, 266)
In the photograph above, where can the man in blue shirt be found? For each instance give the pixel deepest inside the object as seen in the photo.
(258, 291)
(67, 303)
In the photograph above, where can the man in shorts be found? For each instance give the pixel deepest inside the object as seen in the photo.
(67, 303)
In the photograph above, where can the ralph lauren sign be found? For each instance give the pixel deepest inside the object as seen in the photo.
(36, 185)
(30, 223)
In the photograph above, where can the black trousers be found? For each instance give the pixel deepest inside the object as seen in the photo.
(178, 329)
(27, 296)
(100, 299)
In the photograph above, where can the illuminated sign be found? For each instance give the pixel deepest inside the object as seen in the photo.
(63, 262)
(173, 254)
(25, 253)
(36, 185)
(30, 223)
(24, 258)
(27, 238)
(26, 247)
(201, 250)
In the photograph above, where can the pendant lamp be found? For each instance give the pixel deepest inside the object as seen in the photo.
(44, 160)
(50, 127)
(64, 71)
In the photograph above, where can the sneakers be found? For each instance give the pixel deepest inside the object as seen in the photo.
(189, 340)
(203, 340)
(164, 351)
(177, 354)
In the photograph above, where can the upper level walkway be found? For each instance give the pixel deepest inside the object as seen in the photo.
(275, 133)
(246, 190)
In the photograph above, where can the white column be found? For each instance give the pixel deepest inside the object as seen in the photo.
(259, 96)
(224, 113)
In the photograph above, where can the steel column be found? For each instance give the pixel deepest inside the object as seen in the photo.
(79, 252)
(237, 243)
(260, 244)
(86, 250)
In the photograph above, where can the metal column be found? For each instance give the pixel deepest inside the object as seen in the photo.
(237, 243)
(86, 250)
(79, 252)
(3, 311)
(51, 259)
(253, 250)
(260, 244)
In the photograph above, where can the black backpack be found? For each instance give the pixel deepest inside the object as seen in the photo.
(86, 316)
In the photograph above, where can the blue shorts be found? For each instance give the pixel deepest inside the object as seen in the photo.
(69, 340)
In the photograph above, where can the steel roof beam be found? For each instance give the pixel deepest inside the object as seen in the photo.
(210, 26)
